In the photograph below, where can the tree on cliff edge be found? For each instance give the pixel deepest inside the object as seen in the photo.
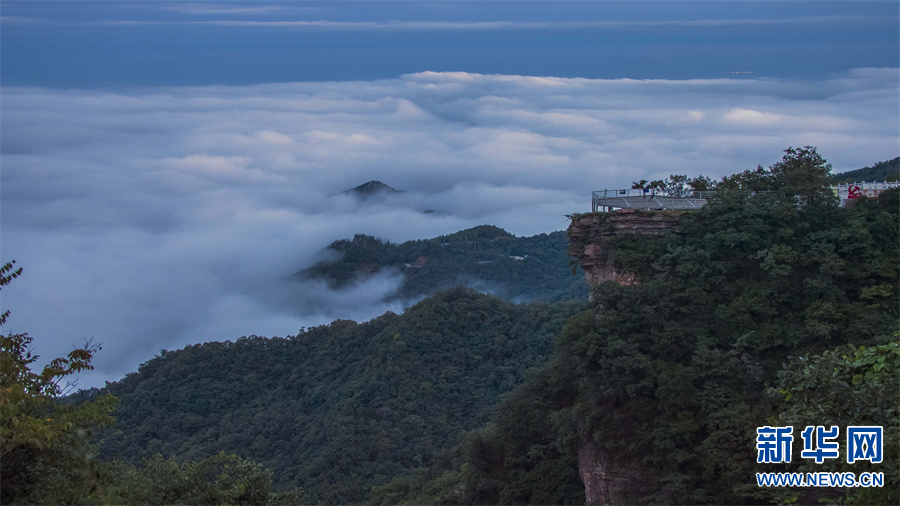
(802, 174)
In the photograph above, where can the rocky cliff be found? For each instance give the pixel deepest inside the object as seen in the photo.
(607, 478)
(590, 234)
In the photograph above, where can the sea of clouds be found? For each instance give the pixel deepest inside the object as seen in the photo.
(154, 218)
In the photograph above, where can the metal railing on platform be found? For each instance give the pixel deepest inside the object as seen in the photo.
(632, 198)
(607, 200)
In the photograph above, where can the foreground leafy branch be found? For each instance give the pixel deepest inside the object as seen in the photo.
(43, 441)
(848, 386)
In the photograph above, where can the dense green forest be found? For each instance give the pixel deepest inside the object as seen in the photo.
(770, 306)
(488, 258)
(340, 408)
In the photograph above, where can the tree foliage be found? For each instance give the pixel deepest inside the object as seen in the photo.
(676, 185)
(340, 408)
(848, 386)
(7, 274)
(44, 455)
(216, 480)
(671, 373)
(518, 458)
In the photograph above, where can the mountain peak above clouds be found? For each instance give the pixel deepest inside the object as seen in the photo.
(372, 189)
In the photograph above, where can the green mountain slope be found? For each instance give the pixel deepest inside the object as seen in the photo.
(882, 171)
(487, 258)
(340, 408)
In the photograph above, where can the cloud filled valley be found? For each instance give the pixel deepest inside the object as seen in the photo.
(151, 218)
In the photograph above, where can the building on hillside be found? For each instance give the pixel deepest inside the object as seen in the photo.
(849, 191)
(609, 200)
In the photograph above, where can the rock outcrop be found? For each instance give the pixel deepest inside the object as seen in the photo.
(607, 478)
(589, 239)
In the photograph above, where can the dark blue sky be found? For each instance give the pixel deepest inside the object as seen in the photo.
(110, 44)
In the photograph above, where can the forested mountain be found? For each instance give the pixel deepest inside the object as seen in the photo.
(882, 171)
(340, 408)
(769, 306)
(778, 309)
(487, 258)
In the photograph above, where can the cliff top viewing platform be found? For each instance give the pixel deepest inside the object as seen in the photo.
(609, 200)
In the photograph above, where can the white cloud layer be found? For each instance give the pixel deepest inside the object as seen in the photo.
(155, 218)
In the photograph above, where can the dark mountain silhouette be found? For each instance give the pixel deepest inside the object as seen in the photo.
(371, 189)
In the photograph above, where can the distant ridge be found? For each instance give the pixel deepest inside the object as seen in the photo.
(487, 258)
(372, 189)
(888, 170)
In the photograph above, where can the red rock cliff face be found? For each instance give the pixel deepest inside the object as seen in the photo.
(589, 236)
(608, 478)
